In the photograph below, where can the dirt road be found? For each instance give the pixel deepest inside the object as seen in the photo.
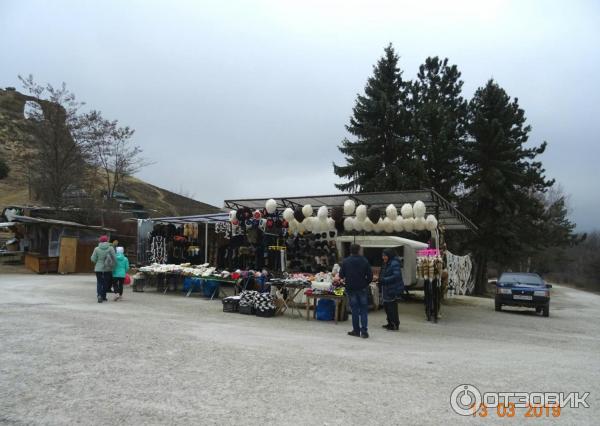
(167, 359)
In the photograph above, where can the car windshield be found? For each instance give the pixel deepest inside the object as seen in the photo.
(526, 279)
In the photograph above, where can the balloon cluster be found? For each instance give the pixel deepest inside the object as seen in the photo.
(349, 218)
(411, 218)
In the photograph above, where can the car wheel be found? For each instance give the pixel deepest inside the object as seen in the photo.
(546, 310)
(538, 309)
(498, 307)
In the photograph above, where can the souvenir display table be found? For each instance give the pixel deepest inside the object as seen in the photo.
(218, 290)
(289, 289)
(340, 304)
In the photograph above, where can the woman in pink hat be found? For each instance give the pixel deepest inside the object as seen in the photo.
(104, 259)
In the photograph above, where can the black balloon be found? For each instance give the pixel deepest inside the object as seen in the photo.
(374, 214)
(337, 213)
(298, 215)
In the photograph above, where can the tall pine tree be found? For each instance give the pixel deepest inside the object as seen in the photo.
(438, 125)
(381, 157)
(503, 180)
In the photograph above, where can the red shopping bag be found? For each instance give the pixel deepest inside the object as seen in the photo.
(127, 279)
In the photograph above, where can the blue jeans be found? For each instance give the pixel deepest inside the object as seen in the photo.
(359, 303)
(102, 282)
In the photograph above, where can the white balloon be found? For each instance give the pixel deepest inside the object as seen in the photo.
(292, 226)
(420, 223)
(349, 224)
(368, 225)
(349, 207)
(406, 211)
(316, 224)
(419, 209)
(308, 224)
(307, 210)
(361, 212)
(300, 228)
(391, 212)
(378, 227)
(388, 225)
(232, 215)
(322, 212)
(398, 224)
(330, 224)
(409, 224)
(431, 223)
(358, 224)
(271, 206)
(288, 214)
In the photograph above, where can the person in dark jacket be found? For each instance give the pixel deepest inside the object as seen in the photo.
(392, 285)
(357, 274)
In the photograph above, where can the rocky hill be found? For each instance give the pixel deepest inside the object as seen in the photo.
(16, 141)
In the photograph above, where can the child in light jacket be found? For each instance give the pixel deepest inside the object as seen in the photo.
(119, 271)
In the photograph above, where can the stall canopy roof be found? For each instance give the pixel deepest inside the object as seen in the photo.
(381, 241)
(39, 220)
(200, 218)
(448, 215)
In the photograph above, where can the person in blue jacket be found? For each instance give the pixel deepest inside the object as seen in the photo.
(119, 271)
(357, 274)
(392, 286)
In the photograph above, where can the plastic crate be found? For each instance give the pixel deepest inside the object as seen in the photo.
(265, 312)
(246, 309)
(231, 304)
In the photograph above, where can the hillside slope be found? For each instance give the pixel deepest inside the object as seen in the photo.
(15, 139)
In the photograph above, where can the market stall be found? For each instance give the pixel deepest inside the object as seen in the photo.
(291, 247)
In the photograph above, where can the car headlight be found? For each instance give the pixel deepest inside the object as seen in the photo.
(504, 291)
(542, 293)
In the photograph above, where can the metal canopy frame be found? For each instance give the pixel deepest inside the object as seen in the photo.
(447, 215)
(211, 218)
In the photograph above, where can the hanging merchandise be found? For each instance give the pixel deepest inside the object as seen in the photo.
(460, 277)
(158, 250)
(429, 269)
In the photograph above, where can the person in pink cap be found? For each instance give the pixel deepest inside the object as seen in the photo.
(103, 258)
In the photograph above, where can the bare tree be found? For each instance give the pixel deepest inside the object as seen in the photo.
(112, 150)
(58, 161)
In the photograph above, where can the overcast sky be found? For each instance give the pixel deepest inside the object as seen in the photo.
(250, 98)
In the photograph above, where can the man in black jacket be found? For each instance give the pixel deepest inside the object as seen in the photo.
(357, 274)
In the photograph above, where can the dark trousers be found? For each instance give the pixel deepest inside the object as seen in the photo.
(118, 285)
(102, 283)
(359, 303)
(391, 310)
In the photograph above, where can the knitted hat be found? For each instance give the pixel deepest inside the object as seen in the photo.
(103, 239)
(120, 250)
(389, 253)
